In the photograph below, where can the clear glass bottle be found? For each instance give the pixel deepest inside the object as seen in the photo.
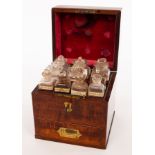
(58, 65)
(52, 73)
(78, 64)
(63, 84)
(96, 88)
(102, 68)
(47, 82)
(79, 86)
(59, 69)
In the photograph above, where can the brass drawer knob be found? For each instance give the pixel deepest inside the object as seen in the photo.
(68, 106)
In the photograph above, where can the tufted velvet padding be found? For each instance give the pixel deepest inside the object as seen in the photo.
(91, 36)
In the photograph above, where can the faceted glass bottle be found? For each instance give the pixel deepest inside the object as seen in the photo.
(47, 82)
(58, 65)
(96, 88)
(102, 68)
(78, 64)
(60, 69)
(80, 86)
(63, 84)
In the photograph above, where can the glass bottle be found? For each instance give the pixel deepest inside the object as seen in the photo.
(79, 86)
(96, 88)
(52, 72)
(59, 69)
(79, 63)
(63, 84)
(102, 68)
(58, 65)
(47, 82)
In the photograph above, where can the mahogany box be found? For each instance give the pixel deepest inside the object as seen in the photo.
(91, 33)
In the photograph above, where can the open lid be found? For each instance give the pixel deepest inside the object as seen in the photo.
(91, 33)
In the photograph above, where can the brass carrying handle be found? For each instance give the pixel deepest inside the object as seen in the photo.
(68, 106)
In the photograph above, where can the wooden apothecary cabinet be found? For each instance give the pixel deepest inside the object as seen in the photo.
(72, 119)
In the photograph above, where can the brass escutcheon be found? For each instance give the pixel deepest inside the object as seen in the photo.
(68, 106)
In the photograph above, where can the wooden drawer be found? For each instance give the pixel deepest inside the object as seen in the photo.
(70, 133)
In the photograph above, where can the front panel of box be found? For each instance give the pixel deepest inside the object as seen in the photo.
(70, 109)
(83, 124)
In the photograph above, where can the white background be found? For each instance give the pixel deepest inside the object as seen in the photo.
(38, 54)
(143, 76)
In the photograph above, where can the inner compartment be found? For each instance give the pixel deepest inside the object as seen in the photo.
(90, 36)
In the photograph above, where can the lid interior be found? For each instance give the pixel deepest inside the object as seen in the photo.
(90, 36)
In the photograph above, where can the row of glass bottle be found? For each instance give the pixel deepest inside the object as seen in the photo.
(61, 77)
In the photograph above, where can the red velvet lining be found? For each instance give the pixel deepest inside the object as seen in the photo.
(91, 36)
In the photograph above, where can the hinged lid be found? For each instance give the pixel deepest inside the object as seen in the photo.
(88, 32)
